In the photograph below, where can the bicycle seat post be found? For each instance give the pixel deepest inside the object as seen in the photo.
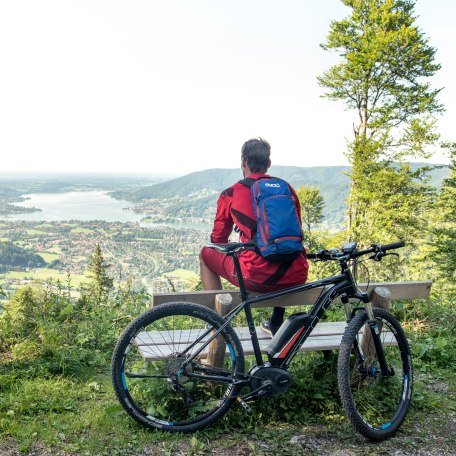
(237, 267)
(248, 311)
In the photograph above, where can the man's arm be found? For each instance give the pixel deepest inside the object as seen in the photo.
(223, 223)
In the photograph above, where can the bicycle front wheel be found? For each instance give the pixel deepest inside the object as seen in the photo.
(157, 381)
(375, 404)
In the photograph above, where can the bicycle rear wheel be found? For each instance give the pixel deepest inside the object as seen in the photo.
(152, 380)
(375, 405)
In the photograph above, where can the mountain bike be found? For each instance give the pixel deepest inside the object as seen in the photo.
(162, 380)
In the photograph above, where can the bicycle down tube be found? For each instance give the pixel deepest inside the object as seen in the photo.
(341, 284)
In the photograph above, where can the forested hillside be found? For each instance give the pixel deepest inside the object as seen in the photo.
(199, 190)
(13, 257)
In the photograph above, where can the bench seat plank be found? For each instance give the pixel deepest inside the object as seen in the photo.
(315, 343)
(166, 337)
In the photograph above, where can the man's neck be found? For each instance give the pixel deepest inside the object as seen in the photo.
(248, 173)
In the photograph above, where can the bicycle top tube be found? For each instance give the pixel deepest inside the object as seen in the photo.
(232, 248)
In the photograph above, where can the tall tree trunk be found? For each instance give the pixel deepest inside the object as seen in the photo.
(357, 159)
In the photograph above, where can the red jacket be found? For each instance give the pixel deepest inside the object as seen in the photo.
(234, 207)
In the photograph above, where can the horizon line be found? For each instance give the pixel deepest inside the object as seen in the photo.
(164, 173)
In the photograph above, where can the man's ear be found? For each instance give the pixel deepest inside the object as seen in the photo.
(269, 164)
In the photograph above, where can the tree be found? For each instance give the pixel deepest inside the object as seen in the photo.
(385, 63)
(443, 234)
(101, 283)
(312, 204)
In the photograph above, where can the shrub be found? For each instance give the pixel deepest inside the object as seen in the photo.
(65, 334)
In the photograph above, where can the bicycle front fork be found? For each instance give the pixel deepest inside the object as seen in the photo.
(375, 333)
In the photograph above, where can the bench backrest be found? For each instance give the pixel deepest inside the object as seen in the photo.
(399, 290)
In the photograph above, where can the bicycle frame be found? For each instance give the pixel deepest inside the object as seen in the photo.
(182, 391)
(342, 285)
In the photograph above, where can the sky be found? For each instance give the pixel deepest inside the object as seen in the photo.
(175, 86)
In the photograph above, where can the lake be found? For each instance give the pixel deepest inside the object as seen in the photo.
(76, 205)
(85, 206)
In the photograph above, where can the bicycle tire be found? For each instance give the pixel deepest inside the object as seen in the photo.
(378, 413)
(156, 394)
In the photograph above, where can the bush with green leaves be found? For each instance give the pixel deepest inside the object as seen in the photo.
(65, 334)
(431, 325)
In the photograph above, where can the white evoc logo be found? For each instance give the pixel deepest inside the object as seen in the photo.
(272, 185)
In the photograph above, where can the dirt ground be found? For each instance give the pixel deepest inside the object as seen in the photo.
(436, 436)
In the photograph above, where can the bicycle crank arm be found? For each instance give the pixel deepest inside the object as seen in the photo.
(258, 392)
(217, 378)
(132, 375)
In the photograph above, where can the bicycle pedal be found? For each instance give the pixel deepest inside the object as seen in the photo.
(244, 404)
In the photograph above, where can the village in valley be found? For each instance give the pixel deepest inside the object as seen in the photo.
(156, 259)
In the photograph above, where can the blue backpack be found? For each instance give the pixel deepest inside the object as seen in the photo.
(279, 233)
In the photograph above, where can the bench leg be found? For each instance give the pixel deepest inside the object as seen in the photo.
(328, 355)
(217, 348)
(380, 297)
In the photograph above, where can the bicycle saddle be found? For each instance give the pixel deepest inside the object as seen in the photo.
(230, 246)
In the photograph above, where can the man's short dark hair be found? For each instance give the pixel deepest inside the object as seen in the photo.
(256, 153)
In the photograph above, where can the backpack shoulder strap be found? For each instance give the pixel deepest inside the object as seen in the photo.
(247, 182)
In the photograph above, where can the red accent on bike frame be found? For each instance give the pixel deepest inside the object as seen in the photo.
(284, 352)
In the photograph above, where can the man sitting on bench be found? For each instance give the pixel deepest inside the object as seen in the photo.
(235, 208)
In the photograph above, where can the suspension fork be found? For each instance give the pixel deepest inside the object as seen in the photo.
(375, 333)
(345, 302)
(349, 314)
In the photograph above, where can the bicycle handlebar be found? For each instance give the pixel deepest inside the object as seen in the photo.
(379, 250)
(394, 245)
(323, 255)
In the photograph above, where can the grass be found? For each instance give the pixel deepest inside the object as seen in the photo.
(45, 225)
(49, 257)
(183, 274)
(190, 278)
(41, 275)
(32, 232)
(56, 250)
(82, 230)
(81, 415)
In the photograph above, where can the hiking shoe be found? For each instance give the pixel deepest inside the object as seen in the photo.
(264, 326)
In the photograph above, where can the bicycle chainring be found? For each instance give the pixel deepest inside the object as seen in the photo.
(275, 380)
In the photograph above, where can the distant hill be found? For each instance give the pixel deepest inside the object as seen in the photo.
(203, 187)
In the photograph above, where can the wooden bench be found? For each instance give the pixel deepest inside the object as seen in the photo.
(326, 335)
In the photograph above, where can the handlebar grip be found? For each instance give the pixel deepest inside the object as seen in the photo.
(394, 245)
(311, 256)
